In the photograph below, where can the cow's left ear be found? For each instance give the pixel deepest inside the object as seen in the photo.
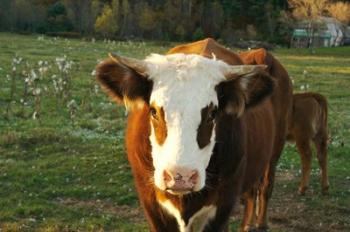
(242, 91)
(125, 80)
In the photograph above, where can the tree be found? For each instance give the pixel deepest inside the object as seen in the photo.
(125, 15)
(6, 16)
(104, 23)
(116, 9)
(286, 24)
(79, 12)
(149, 20)
(156, 19)
(212, 18)
(24, 15)
(310, 11)
(95, 9)
(340, 11)
(57, 20)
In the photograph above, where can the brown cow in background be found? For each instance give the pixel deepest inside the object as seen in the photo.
(282, 101)
(309, 124)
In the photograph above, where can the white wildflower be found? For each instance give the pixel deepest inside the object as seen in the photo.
(72, 104)
(96, 89)
(34, 115)
(33, 74)
(37, 91)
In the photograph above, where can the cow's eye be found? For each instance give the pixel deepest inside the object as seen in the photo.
(212, 115)
(153, 112)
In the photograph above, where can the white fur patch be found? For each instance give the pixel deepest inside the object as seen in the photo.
(183, 85)
(197, 222)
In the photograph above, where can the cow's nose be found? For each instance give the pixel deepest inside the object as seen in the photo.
(180, 182)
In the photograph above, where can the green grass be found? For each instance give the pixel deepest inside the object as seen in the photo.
(62, 174)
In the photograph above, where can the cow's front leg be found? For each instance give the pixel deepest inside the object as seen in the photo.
(221, 221)
(264, 195)
(249, 209)
(158, 219)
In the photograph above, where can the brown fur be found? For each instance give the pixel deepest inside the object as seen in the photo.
(208, 48)
(130, 87)
(206, 125)
(159, 124)
(281, 101)
(246, 150)
(219, 190)
(309, 124)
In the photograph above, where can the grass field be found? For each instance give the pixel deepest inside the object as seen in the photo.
(62, 160)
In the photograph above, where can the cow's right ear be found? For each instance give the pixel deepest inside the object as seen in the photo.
(123, 82)
(245, 87)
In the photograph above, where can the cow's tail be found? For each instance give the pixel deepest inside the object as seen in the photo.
(322, 101)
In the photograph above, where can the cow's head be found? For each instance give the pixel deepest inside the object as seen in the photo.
(184, 93)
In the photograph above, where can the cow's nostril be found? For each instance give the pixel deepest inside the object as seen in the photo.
(167, 176)
(178, 177)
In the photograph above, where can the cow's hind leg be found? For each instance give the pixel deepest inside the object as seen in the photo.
(264, 195)
(266, 187)
(304, 149)
(321, 148)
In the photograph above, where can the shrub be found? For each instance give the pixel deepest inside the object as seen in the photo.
(198, 34)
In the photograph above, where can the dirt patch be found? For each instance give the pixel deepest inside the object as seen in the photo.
(290, 212)
(286, 176)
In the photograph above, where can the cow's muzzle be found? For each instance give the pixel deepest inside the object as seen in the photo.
(180, 183)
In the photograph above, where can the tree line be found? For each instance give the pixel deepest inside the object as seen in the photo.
(149, 19)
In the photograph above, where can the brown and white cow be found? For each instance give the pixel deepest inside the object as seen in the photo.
(199, 131)
(281, 101)
(309, 124)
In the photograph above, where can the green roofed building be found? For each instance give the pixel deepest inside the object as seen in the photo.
(328, 33)
(300, 38)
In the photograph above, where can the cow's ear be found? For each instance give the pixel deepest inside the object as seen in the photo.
(257, 57)
(123, 83)
(245, 91)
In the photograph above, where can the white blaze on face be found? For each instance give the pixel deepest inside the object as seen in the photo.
(182, 85)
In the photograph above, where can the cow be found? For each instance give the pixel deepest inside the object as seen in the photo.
(201, 130)
(257, 199)
(309, 124)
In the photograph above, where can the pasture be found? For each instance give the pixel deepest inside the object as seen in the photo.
(62, 160)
